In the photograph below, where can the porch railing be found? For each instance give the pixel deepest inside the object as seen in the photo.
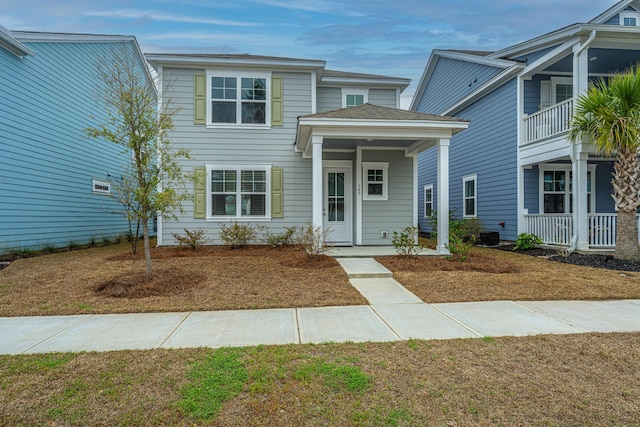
(549, 122)
(557, 229)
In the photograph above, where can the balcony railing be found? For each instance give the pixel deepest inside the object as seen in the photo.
(550, 122)
(557, 229)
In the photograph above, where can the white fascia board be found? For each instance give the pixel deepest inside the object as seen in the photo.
(551, 57)
(341, 81)
(538, 43)
(8, 42)
(190, 61)
(374, 124)
(426, 76)
(27, 36)
(489, 86)
(613, 10)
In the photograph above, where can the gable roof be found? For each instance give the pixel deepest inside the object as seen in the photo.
(343, 77)
(614, 10)
(376, 112)
(9, 43)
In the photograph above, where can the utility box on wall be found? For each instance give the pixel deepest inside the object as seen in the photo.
(491, 238)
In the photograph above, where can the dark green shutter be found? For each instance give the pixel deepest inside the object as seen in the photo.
(277, 106)
(199, 193)
(277, 187)
(199, 99)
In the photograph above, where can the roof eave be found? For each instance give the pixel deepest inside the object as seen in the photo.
(11, 44)
(338, 81)
(186, 61)
(607, 14)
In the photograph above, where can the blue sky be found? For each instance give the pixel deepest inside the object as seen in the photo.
(371, 36)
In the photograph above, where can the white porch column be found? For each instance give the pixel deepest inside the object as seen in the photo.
(443, 196)
(316, 182)
(579, 191)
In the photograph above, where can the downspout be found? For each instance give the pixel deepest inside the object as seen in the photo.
(572, 152)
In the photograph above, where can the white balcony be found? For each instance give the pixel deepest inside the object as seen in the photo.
(549, 122)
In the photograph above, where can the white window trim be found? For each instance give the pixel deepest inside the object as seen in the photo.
(555, 81)
(629, 14)
(567, 168)
(100, 187)
(354, 91)
(385, 180)
(424, 200)
(465, 179)
(238, 216)
(239, 75)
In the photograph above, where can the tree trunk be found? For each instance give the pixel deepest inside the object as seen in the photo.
(147, 250)
(627, 236)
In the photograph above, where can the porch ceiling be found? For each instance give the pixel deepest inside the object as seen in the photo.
(602, 61)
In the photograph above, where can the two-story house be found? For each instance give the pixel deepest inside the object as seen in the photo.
(515, 168)
(53, 179)
(285, 142)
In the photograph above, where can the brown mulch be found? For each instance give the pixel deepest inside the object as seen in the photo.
(479, 263)
(162, 283)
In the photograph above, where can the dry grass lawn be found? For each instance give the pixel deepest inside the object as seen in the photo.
(493, 275)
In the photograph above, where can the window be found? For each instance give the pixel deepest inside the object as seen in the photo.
(238, 191)
(556, 184)
(376, 180)
(428, 200)
(239, 100)
(629, 18)
(354, 97)
(561, 89)
(469, 202)
(101, 187)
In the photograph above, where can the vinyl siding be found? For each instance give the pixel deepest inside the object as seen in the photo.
(450, 82)
(395, 213)
(243, 147)
(328, 99)
(487, 148)
(427, 174)
(534, 56)
(383, 97)
(47, 163)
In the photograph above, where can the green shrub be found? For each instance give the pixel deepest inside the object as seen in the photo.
(527, 241)
(459, 247)
(237, 235)
(278, 240)
(405, 242)
(193, 239)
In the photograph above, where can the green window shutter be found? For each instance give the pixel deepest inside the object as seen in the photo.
(199, 193)
(199, 99)
(277, 106)
(277, 204)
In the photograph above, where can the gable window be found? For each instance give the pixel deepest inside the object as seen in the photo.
(239, 100)
(238, 191)
(376, 180)
(354, 97)
(428, 200)
(629, 18)
(557, 191)
(470, 200)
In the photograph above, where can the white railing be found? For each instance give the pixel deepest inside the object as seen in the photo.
(557, 229)
(549, 122)
(553, 229)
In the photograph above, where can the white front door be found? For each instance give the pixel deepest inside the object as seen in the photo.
(337, 204)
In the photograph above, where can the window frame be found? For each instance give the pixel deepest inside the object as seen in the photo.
(238, 192)
(354, 91)
(465, 179)
(428, 187)
(238, 75)
(366, 167)
(568, 191)
(555, 82)
(629, 14)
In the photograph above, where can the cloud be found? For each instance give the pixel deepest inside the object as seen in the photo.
(154, 16)
(303, 5)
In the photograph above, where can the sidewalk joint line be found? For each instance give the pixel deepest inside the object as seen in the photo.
(174, 329)
(57, 333)
(387, 323)
(456, 321)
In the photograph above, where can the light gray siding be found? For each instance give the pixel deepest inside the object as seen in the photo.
(451, 80)
(395, 213)
(272, 146)
(47, 162)
(489, 149)
(328, 99)
(383, 97)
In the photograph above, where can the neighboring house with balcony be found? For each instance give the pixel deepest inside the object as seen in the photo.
(284, 142)
(515, 168)
(53, 179)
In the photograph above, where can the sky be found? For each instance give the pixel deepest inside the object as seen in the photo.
(391, 37)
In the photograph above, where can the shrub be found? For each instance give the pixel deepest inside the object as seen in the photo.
(459, 246)
(237, 235)
(405, 242)
(193, 239)
(313, 239)
(278, 240)
(527, 241)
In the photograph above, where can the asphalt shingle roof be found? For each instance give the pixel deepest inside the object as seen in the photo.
(376, 112)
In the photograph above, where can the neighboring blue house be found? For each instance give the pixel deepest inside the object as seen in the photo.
(514, 168)
(52, 177)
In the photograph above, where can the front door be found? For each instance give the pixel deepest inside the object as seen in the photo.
(337, 205)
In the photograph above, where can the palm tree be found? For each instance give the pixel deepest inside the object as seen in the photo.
(608, 116)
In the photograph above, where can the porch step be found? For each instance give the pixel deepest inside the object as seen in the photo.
(363, 268)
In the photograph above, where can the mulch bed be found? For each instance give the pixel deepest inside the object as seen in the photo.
(608, 262)
(163, 282)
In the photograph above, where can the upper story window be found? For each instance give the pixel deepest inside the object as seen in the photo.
(555, 90)
(354, 97)
(629, 18)
(239, 100)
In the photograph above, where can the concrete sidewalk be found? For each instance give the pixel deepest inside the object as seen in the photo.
(394, 314)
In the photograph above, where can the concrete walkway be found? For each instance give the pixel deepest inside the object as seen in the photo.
(394, 314)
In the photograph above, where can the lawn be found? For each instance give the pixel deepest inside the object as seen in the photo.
(568, 380)
(111, 280)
